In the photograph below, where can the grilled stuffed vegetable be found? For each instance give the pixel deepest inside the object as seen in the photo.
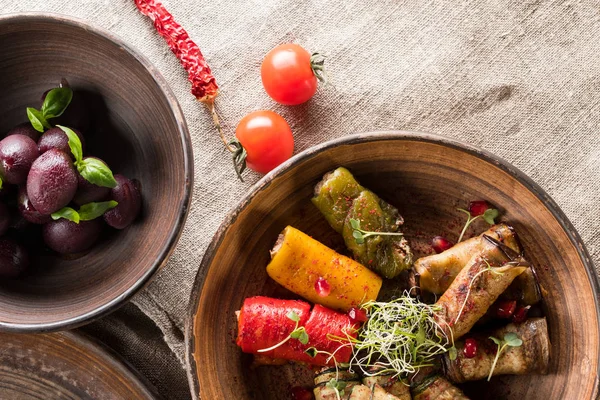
(340, 198)
(373, 392)
(302, 265)
(437, 388)
(524, 289)
(473, 291)
(323, 391)
(532, 356)
(265, 324)
(436, 272)
(391, 384)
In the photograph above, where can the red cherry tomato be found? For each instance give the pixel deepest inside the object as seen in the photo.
(287, 74)
(267, 139)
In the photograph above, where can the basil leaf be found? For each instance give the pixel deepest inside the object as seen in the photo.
(293, 316)
(490, 215)
(56, 102)
(74, 143)
(66, 213)
(96, 172)
(37, 119)
(91, 211)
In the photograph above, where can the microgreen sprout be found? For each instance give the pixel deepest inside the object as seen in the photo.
(452, 353)
(510, 339)
(486, 269)
(334, 383)
(400, 336)
(299, 333)
(360, 235)
(488, 215)
(337, 386)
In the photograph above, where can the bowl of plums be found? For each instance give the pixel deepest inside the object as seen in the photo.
(95, 172)
(395, 265)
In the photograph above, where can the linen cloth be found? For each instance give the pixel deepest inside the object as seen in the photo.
(518, 78)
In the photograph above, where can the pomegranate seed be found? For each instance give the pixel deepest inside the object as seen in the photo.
(357, 315)
(470, 349)
(506, 309)
(478, 207)
(300, 393)
(322, 287)
(521, 314)
(440, 243)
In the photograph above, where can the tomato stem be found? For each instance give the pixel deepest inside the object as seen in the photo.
(213, 112)
(239, 158)
(317, 64)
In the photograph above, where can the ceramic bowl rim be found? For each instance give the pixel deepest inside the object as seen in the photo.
(188, 166)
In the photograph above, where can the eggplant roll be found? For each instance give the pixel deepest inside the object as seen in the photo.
(524, 289)
(436, 272)
(323, 392)
(391, 384)
(373, 392)
(437, 388)
(532, 356)
(473, 291)
(340, 198)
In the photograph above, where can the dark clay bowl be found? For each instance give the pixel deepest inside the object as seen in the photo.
(136, 126)
(427, 177)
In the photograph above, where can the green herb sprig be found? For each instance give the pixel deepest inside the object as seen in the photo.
(360, 235)
(401, 336)
(337, 386)
(488, 216)
(86, 212)
(92, 169)
(55, 103)
(511, 339)
(334, 383)
(299, 333)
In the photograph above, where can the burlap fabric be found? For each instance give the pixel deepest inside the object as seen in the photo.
(518, 78)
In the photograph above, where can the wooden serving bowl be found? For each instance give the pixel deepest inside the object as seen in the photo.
(136, 126)
(66, 365)
(427, 177)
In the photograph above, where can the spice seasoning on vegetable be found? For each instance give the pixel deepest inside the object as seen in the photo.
(264, 324)
(473, 291)
(314, 271)
(437, 271)
(530, 357)
(369, 225)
